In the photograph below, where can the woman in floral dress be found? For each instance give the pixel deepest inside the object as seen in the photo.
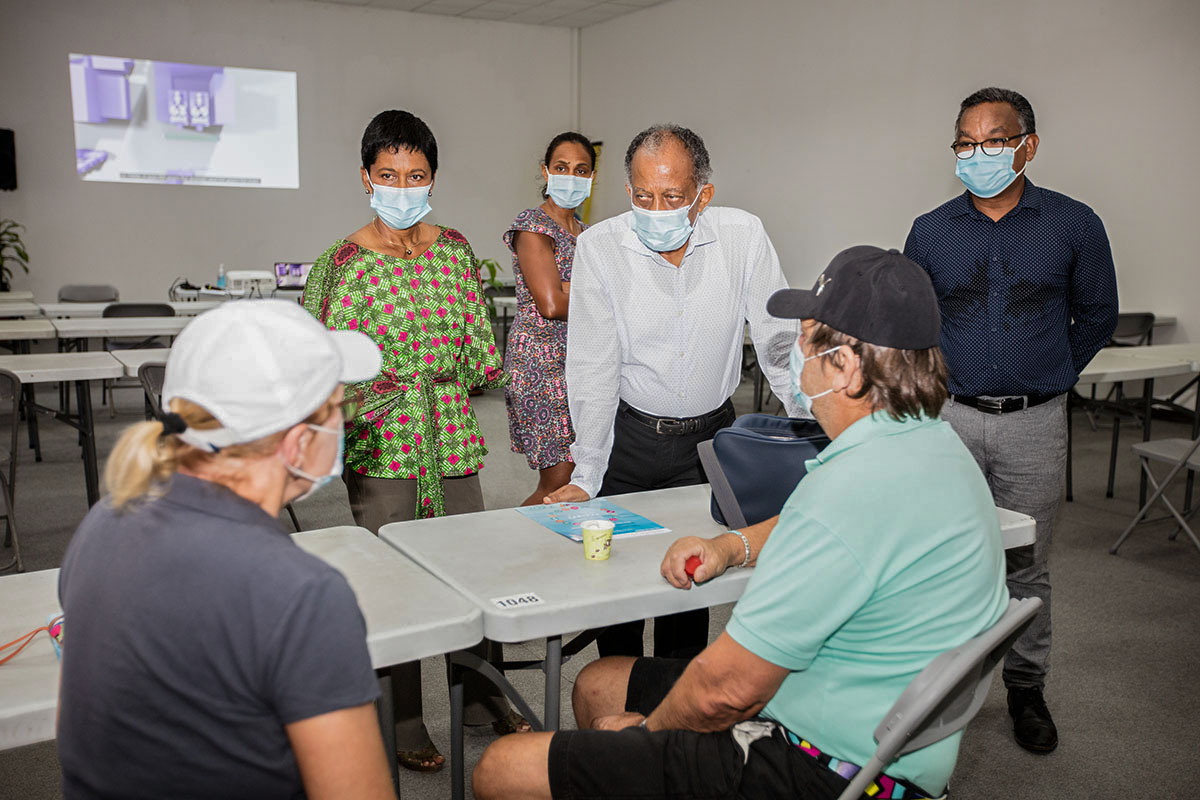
(415, 448)
(542, 241)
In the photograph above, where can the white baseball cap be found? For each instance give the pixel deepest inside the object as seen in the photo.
(259, 367)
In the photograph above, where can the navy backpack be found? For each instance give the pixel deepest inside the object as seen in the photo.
(754, 464)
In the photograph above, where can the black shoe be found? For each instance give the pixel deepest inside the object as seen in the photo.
(1032, 725)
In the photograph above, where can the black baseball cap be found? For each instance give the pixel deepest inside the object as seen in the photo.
(877, 296)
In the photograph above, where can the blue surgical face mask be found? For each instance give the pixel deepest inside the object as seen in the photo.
(663, 231)
(400, 208)
(796, 363)
(568, 191)
(335, 469)
(987, 176)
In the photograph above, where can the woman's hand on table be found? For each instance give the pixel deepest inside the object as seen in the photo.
(713, 554)
(567, 494)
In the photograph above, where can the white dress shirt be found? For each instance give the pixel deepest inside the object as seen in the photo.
(668, 340)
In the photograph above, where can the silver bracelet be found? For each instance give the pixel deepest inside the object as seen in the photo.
(746, 544)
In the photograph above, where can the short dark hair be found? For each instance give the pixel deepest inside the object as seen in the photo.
(995, 95)
(393, 130)
(568, 136)
(904, 383)
(653, 138)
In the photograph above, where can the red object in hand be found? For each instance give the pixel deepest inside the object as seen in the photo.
(690, 565)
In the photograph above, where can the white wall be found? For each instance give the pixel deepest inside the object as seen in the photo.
(483, 87)
(831, 120)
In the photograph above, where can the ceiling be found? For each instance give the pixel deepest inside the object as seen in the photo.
(562, 13)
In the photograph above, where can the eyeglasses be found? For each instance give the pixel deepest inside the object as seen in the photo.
(351, 404)
(991, 147)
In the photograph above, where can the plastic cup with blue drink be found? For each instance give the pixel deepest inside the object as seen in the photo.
(597, 539)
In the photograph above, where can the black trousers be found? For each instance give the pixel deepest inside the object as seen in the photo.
(642, 460)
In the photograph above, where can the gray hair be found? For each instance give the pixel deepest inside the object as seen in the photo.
(655, 136)
(994, 95)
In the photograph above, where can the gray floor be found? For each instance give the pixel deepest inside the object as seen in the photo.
(1127, 630)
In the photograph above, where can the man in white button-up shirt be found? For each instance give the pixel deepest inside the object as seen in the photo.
(659, 299)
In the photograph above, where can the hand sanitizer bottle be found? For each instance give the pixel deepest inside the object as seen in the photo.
(221, 277)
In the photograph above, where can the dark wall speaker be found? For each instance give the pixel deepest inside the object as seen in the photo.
(8, 160)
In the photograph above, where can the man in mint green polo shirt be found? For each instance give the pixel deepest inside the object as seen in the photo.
(887, 554)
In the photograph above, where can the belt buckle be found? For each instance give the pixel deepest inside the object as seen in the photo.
(659, 425)
(990, 405)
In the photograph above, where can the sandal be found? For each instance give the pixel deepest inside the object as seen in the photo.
(511, 723)
(423, 760)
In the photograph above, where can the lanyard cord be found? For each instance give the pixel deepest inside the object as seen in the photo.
(24, 639)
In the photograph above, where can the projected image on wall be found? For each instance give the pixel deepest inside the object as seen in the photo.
(142, 121)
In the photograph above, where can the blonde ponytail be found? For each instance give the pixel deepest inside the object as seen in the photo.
(142, 458)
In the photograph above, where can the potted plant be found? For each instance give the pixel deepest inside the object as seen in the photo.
(12, 251)
(492, 286)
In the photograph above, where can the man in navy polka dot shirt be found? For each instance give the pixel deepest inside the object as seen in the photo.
(1028, 294)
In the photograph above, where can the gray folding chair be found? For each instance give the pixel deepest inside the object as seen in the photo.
(88, 293)
(1180, 454)
(130, 342)
(152, 376)
(10, 397)
(945, 696)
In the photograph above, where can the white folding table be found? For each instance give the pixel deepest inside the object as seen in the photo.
(132, 360)
(1119, 364)
(19, 308)
(410, 614)
(22, 330)
(426, 618)
(495, 555)
(13, 297)
(96, 310)
(78, 368)
(83, 329)
(28, 683)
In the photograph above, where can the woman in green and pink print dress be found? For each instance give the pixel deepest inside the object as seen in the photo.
(415, 449)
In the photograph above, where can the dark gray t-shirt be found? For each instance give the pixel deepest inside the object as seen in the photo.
(196, 630)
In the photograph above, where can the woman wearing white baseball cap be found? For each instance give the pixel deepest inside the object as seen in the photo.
(208, 654)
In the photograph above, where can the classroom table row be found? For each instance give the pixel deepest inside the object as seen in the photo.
(79, 368)
(439, 589)
(13, 309)
(1112, 365)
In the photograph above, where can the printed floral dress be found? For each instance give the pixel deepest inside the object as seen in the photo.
(539, 422)
(428, 316)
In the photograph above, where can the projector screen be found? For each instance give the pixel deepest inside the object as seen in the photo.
(142, 121)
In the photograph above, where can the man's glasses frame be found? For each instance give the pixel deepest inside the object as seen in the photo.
(990, 147)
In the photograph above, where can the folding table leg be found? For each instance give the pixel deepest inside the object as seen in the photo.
(457, 768)
(1112, 456)
(87, 433)
(553, 681)
(35, 440)
(1148, 411)
(387, 724)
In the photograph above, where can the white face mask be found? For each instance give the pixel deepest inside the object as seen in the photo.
(796, 363)
(568, 191)
(335, 469)
(664, 231)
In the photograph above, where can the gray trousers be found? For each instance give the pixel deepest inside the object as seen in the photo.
(375, 502)
(1023, 455)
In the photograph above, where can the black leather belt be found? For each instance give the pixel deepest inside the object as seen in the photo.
(1006, 405)
(672, 426)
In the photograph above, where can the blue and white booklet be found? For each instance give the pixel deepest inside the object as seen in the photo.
(565, 518)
